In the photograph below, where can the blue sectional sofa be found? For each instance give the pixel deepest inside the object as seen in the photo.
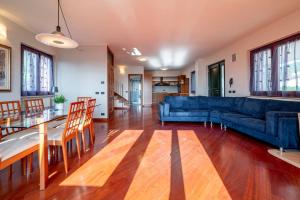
(272, 121)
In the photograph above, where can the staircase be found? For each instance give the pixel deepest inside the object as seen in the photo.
(120, 102)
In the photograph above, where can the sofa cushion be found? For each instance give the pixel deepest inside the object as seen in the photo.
(254, 107)
(233, 117)
(253, 123)
(217, 113)
(175, 101)
(221, 103)
(238, 104)
(188, 113)
(195, 103)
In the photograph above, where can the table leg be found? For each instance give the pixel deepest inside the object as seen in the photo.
(43, 155)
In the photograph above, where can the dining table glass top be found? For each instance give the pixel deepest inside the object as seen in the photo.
(24, 120)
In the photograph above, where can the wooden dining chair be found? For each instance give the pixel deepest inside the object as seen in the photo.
(34, 105)
(84, 99)
(87, 123)
(37, 105)
(61, 136)
(11, 108)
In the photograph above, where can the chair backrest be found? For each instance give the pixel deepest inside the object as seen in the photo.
(10, 108)
(73, 120)
(88, 116)
(84, 99)
(34, 105)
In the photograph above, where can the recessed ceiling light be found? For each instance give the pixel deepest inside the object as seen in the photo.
(164, 69)
(133, 52)
(142, 59)
(136, 52)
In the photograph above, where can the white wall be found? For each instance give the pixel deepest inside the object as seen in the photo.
(240, 70)
(15, 36)
(121, 78)
(80, 72)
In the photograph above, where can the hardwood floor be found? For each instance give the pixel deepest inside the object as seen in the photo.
(136, 158)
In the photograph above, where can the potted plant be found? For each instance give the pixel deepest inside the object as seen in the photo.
(59, 101)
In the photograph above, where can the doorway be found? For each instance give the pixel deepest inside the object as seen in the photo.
(135, 88)
(216, 79)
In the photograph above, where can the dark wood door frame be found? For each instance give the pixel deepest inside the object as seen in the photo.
(142, 87)
(219, 65)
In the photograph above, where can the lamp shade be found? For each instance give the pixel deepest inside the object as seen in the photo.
(56, 39)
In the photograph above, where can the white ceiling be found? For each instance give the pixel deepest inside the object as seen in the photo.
(171, 33)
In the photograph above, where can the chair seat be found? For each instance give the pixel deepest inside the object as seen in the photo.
(21, 134)
(15, 146)
(55, 135)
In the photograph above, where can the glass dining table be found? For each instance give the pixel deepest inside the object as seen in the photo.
(40, 120)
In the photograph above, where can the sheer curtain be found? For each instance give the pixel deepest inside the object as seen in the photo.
(262, 71)
(288, 57)
(46, 75)
(29, 73)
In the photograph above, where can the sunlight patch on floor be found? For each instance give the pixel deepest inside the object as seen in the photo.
(201, 178)
(152, 179)
(96, 171)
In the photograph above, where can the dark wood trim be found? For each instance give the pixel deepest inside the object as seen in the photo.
(100, 119)
(142, 83)
(121, 108)
(10, 67)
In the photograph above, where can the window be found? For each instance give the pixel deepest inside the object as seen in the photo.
(275, 68)
(193, 82)
(37, 72)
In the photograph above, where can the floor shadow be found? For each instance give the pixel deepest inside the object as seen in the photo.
(177, 183)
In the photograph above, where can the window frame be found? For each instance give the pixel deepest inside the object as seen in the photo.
(39, 53)
(275, 92)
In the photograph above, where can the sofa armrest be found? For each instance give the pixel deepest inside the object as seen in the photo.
(283, 125)
(164, 109)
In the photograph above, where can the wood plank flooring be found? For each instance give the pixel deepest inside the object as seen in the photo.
(134, 157)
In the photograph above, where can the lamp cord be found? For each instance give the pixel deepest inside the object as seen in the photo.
(62, 12)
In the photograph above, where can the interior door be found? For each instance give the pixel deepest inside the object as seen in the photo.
(135, 88)
(216, 79)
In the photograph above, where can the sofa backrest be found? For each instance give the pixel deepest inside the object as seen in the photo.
(280, 105)
(187, 102)
(253, 107)
(221, 103)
